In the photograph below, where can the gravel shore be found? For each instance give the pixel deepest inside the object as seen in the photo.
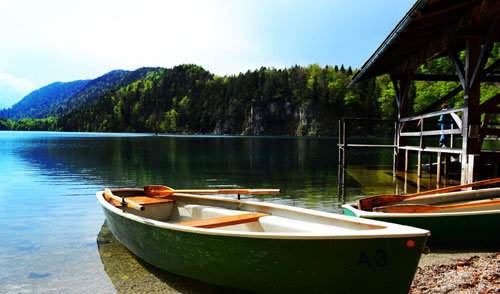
(475, 270)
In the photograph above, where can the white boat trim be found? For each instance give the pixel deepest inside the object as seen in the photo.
(446, 198)
(361, 213)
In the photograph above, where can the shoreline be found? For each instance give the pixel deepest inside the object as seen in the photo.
(458, 270)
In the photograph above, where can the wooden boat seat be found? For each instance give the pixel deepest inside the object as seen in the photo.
(222, 221)
(143, 200)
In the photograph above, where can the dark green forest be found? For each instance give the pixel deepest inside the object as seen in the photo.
(187, 99)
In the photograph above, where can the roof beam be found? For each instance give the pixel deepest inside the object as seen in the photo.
(452, 9)
(450, 78)
(485, 52)
(459, 67)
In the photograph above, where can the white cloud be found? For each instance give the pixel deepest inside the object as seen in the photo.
(19, 84)
(128, 34)
(12, 89)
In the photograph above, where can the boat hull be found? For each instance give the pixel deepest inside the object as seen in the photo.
(452, 228)
(274, 263)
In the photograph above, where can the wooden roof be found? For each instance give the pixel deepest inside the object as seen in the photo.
(428, 31)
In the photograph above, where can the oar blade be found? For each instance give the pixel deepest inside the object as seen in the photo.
(406, 208)
(368, 203)
(158, 190)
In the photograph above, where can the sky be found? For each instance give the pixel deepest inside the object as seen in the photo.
(42, 42)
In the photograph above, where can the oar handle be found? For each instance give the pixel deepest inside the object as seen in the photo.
(453, 188)
(231, 191)
(109, 195)
(422, 208)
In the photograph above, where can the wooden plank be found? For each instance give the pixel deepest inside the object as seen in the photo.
(432, 133)
(368, 119)
(368, 146)
(143, 200)
(433, 114)
(224, 220)
(432, 149)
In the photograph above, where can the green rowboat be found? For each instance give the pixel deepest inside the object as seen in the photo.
(455, 218)
(262, 247)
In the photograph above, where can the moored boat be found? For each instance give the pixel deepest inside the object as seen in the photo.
(265, 247)
(455, 218)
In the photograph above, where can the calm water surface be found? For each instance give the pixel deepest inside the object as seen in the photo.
(53, 235)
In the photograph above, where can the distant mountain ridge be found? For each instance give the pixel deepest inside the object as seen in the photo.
(40, 103)
(187, 99)
(59, 98)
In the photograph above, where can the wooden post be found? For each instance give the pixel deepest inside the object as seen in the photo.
(430, 163)
(340, 142)
(452, 138)
(438, 170)
(419, 164)
(470, 116)
(396, 150)
(344, 140)
(401, 89)
(407, 157)
(341, 182)
(422, 138)
(446, 164)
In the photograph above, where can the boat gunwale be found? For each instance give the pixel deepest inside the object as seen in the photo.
(362, 213)
(389, 230)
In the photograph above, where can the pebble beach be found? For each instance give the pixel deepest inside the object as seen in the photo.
(458, 271)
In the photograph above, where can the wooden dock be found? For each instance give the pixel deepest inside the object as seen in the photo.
(438, 158)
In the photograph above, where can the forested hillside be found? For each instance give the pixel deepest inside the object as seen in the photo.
(187, 99)
(41, 103)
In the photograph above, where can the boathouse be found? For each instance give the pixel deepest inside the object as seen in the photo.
(465, 31)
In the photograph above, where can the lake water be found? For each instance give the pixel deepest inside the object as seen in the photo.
(53, 235)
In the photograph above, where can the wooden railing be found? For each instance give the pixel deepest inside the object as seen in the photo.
(344, 136)
(420, 120)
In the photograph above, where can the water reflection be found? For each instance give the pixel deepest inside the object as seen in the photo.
(359, 181)
(129, 274)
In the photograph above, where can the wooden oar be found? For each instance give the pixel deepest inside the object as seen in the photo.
(367, 204)
(156, 190)
(420, 208)
(109, 195)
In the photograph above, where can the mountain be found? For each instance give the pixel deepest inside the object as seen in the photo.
(188, 99)
(59, 98)
(91, 91)
(40, 103)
